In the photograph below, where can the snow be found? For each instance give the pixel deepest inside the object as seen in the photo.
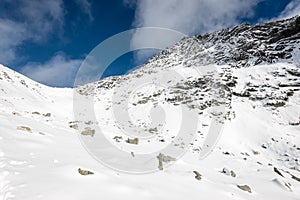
(43, 163)
(41, 150)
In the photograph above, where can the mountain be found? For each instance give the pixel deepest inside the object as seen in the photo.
(245, 79)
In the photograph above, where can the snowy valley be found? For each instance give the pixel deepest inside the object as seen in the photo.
(257, 155)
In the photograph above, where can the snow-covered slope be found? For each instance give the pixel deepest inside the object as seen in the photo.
(256, 157)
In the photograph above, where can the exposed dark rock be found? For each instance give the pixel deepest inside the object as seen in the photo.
(296, 178)
(133, 141)
(197, 175)
(35, 113)
(24, 128)
(84, 172)
(163, 159)
(88, 131)
(245, 188)
(47, 115)
(277, 171)
(118, 138)
(74, 125)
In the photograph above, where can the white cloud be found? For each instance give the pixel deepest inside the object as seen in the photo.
(33, 21)
(192, 16)
(42, 17)
(59, 71)
(291, 10)
(85, 6)
(184, 16)
(149, 41)
(11, 34)
(27, 21)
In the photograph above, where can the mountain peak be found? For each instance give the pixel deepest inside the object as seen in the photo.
(243, 45)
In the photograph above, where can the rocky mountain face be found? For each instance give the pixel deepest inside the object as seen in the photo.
(255, 64)
(243, 46)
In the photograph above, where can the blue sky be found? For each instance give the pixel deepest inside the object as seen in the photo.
(48, 40)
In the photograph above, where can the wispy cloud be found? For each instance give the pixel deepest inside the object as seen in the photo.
(42, 17)
(292, 9)
(86, 8)
(12, 35)
(27, 21)
(59, 71)
(34, 21)
(192, 16)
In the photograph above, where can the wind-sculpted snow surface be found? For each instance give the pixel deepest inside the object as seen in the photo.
(255, 157)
